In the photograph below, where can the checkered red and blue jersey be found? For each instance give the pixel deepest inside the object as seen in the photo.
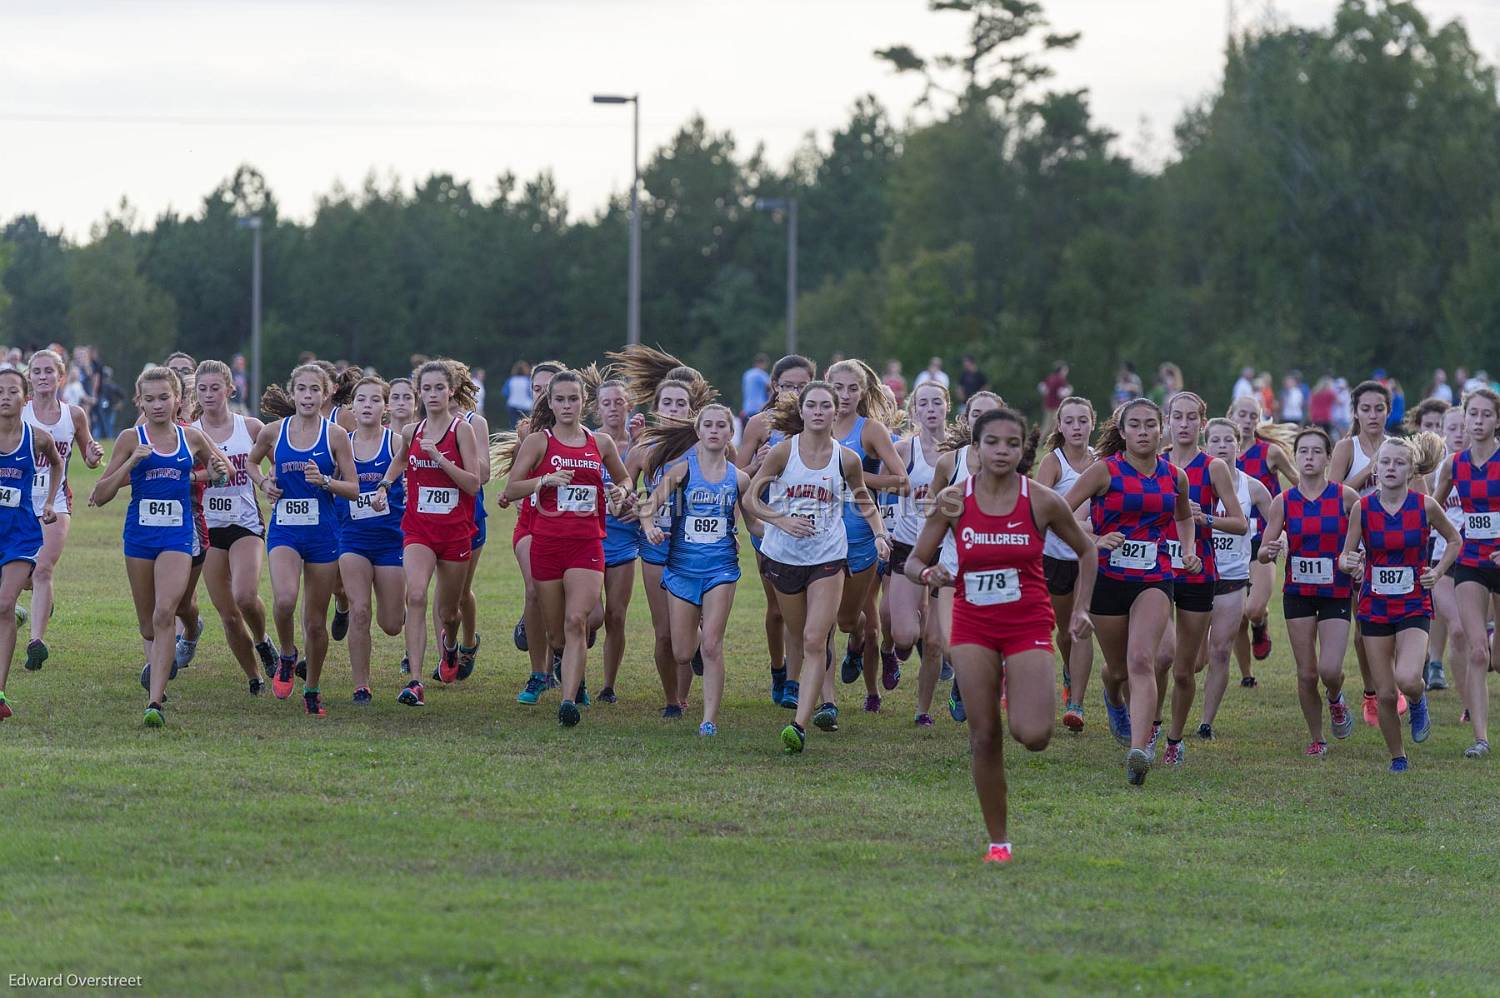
(1395, 557)
(1315, 531)
(1478, 488)
(1256, 463)
(1200, 491)
(1142, 507)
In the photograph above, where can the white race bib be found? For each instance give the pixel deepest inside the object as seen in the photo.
(1174, 552)
(1134, 556)
(362, 508)
(297, 512)
(435, 501)
(1312, 571)
(159, 513)
(1224, 542)
(1002, 585)
(10, 497)
(578, 499)
(1482, 526)
(1392, 581)
(888, 516)
(39, 480)
(705, 529)
(225, 506)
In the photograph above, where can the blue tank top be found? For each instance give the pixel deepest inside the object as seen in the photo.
(360, 525)
(856, 527)
(20, 530)
(303, 505)
(161, 497)
(657, 554)
(480, 513)
(625, 529)
(704, 538)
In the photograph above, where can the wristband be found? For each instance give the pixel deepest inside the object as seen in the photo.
(1208, 520)
(923, 574)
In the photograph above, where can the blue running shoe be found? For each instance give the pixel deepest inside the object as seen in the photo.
(778, 683)
(536, 683)
(947, 672)
(362, 697)
(956, 705)
(827, 717)
(607, 695)
(708, 729)
(182, 657)
(1421, 720)
(1137, 764)
(519, 635)
(583, 695)
(1399, 764)
(568, 714)
(672, 711)
(1119, 722)
(853, 666)
(698, 662)
(789, 694)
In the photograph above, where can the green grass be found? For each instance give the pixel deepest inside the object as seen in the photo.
(476, 846)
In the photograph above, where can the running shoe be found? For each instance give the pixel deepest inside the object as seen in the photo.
(1399, 764)
(36, 654)
(257, 685)
(998, 853)
(593, 635)
(1478, 750)
(826, 717)
(947, 672)
(708, 729)
(302, 669)
(340, 626)
(448, 663)
(672, 711)
(5, 710)
(146, 677)
(1206, 732)
(890, 670)
(22, 615)
(1342, 720)
(1421, 721)
(1316, 750)
(1248, 682)
(789, 694)
(583, 695)
(155, 716)
(1401, 705)
(412, 695)
(267, 657)
(1119, 721)
(778, 683)
(182, 657)
(568, 714)
(924, 721)
(607, 695)
(1155, 735)
(405, 666)
(1260, 641)
(853, 666)
(698, 661)
(519, 635)
(1067, 685)
(466, 658)
(1175, 754)
(1073, 717)
(536, 684)
(793, 738)
(956, 709)
(1464, 718)
(872, 703)
(363, 697)
(554, 678)
(1435, 677)
(281, 683)
(1137, 765)
(1372, 710)
(312, 702)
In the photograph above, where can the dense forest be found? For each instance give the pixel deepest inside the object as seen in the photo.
(1334, 204)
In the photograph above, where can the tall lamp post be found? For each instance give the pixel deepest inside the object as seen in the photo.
(253, 224)
(789, 205)
(633, 307)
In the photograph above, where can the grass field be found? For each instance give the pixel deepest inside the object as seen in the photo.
(474, 845)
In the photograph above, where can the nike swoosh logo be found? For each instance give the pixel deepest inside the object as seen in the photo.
(1012, 526)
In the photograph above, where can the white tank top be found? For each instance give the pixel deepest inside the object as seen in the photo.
(948, 557)
(1232, 551)
(1054, 546)
(1357, 461)
(817, 493)
(1453, 509)
(62, 432)
(910, 510)
(233, 505)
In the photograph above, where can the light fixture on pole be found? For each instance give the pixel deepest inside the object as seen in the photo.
(633, 300)
(253, 224)
(789, 205)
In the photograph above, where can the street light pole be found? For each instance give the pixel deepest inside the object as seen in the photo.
(633, 294)
(789, 205)
(253, 224)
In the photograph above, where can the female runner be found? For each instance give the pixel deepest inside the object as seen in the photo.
(1427, 417)
(1447, 626)
(804, 545)
(543, 675)
(562, 464)
(68, 426)
(1475, 475)
(703, 563)
(437, 526)
(236, 534)
(1136, 496)
(401, 412)
(1221, 440)
(1395, 608)
(370, 530)
(1267, 459)
(156, 458)
(312, 462)
(622, 538)
(1002, 616)
(1068, 456)
(26, 454)
(1307, 523)
(789, 374)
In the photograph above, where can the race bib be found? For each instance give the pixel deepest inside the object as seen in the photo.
(1396, 581)
(297, 512)
(1312, 571)
(435, 501)
(1002, 585)
(1174, 552)
(363, 508)
(1134, 556)
(1224, 542)
(1482, 526)
(221, 506)
(10, 497)
(159, 513)
(888, 516)
(578, 499)
(705, 529)
(39, 480)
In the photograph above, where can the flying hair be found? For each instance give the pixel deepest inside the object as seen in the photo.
(673, 436)
(1111, 439)
(276, 401)
(646, 368)
(876, 401)
(503, 447)
(1424, 450)
(958, 433)
(1030, 436)
(1056, 440)
(786, 415)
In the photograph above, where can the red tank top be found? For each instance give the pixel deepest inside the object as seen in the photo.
(575, 509)
(1000, 561)
(436, 508)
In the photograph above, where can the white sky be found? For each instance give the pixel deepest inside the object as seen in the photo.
(159, 101)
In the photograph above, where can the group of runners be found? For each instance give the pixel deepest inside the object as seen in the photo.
(880, 531)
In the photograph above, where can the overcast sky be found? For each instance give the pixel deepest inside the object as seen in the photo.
(159, 101)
